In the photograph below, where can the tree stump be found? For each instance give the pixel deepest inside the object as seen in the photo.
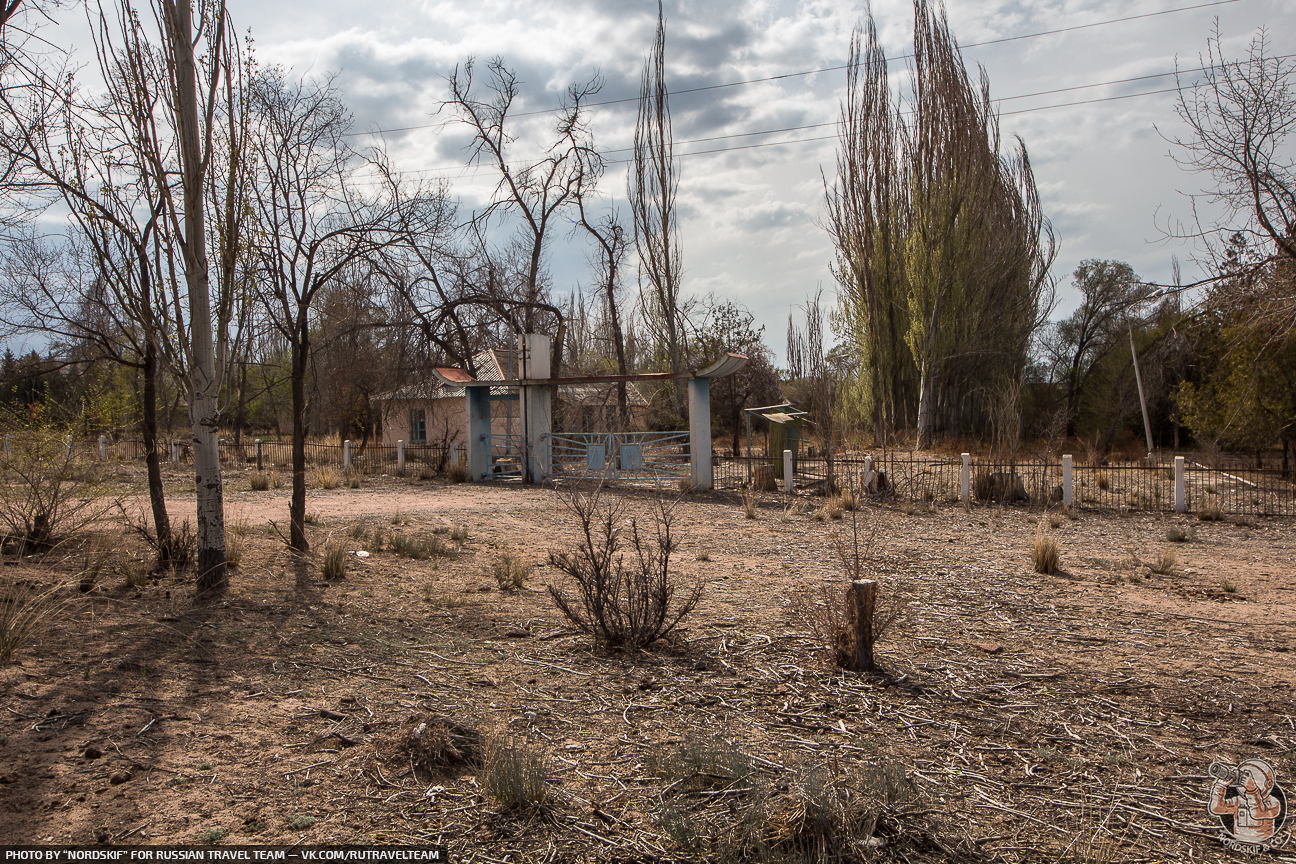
(861, 598)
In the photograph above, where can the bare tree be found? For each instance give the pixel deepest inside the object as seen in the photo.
(653, 184)
(537, 194)
(312, 224)
(612, 246)
(1240, 125)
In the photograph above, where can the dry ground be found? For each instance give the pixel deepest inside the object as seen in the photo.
(1029, 718)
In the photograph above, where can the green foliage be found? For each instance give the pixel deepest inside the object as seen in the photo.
(513, 774)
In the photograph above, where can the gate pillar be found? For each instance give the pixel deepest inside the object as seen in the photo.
(699, 390)
(479, 432)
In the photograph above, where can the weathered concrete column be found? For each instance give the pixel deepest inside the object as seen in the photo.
(699, 394)
(788, 468)
(346, 455)
(479, 432)
(866, 475)
(537, 405)
(965, 480)
(400, 456)
(103, 448)
(1180, 493)
(1068, 483)
(175, 450)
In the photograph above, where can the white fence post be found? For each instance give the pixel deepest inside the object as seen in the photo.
(965, 479)
(1068, 491)
(787, 471)
(400, 457)
(1180, 493)
(175, 450)
(866, 476)
(346, 455)
(103, 448)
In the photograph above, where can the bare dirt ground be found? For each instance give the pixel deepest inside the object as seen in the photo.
(1028, 717)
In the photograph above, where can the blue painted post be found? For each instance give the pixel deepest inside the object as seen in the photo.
(700, 434)
(479, 432)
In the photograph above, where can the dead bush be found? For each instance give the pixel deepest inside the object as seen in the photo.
(1045, 554)
(624, 599)
(46, 492)
(431, 745)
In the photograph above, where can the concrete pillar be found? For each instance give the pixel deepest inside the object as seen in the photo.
(699, 395)
(103, 448)
(479, 431)
(788, 468)
(1068, 483)
(346, 455)
(400, 457)
(965, 480)
(175, 450)
(537, 405)
(1180, 493)
(866, 476)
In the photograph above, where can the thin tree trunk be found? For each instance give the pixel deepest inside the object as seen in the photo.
(152, 462)
(297, 506)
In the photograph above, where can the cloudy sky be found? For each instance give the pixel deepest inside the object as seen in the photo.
(1078, 84)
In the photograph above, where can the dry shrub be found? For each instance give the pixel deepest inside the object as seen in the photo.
(46, 492)
(1103, 481)
(457, 472)
(431, 745)
(1164, 563)
(1181, 534)
(327, 477)
(259, 482)
(1046, 556)
(623, 600)
(1211, 511)
(749, 498)
(510, 570)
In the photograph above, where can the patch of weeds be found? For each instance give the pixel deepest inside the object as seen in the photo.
(276, 480)
(178, 781)
(459, 534)
(848, 500)
(1103, 481)
(426, 471)
(1115, 757)
(1211, 511)
(749, 498)
(1046, 556)
(700, 762)
(254, 826)
(327, 477)
(375, 541)
(1045, 753)
(1228, 587)
(204, 766)
(457, 472)
(1243, 521)
(23, 612)
(233, 549)
(418, 548)
(211, 835)
(1136, 577)
(1164, 563)
(259, 482)
(398, 518)
(358, 531)
(513, 773)
(703, 555)
(333, 561)
(1055, 521)
(1181, 534)
(353, 481)
(510, 570)
(313, 518)
(299, 821)
(136, 572)
(442, 601)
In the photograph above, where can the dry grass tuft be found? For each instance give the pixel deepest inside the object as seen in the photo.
(259, 482)
(749, 498)
(1211, 511)
(510, 570)
(513, 773)
(1164, 563)
(327, 477)
(1045, 554)
(333, 561)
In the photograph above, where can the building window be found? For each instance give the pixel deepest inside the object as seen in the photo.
(418, 426)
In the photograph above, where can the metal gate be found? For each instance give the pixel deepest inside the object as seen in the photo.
(652, 456)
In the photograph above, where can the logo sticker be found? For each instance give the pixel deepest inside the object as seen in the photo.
(1250, 805)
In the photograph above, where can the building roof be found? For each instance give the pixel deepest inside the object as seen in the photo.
(499, 364)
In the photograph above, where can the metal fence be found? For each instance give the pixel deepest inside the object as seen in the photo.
(1233, 489)
(369, 458)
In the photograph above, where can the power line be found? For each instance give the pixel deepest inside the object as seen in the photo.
(837, 68)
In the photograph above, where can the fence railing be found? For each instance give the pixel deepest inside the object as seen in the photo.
(1236, 488)
(1111, 486)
